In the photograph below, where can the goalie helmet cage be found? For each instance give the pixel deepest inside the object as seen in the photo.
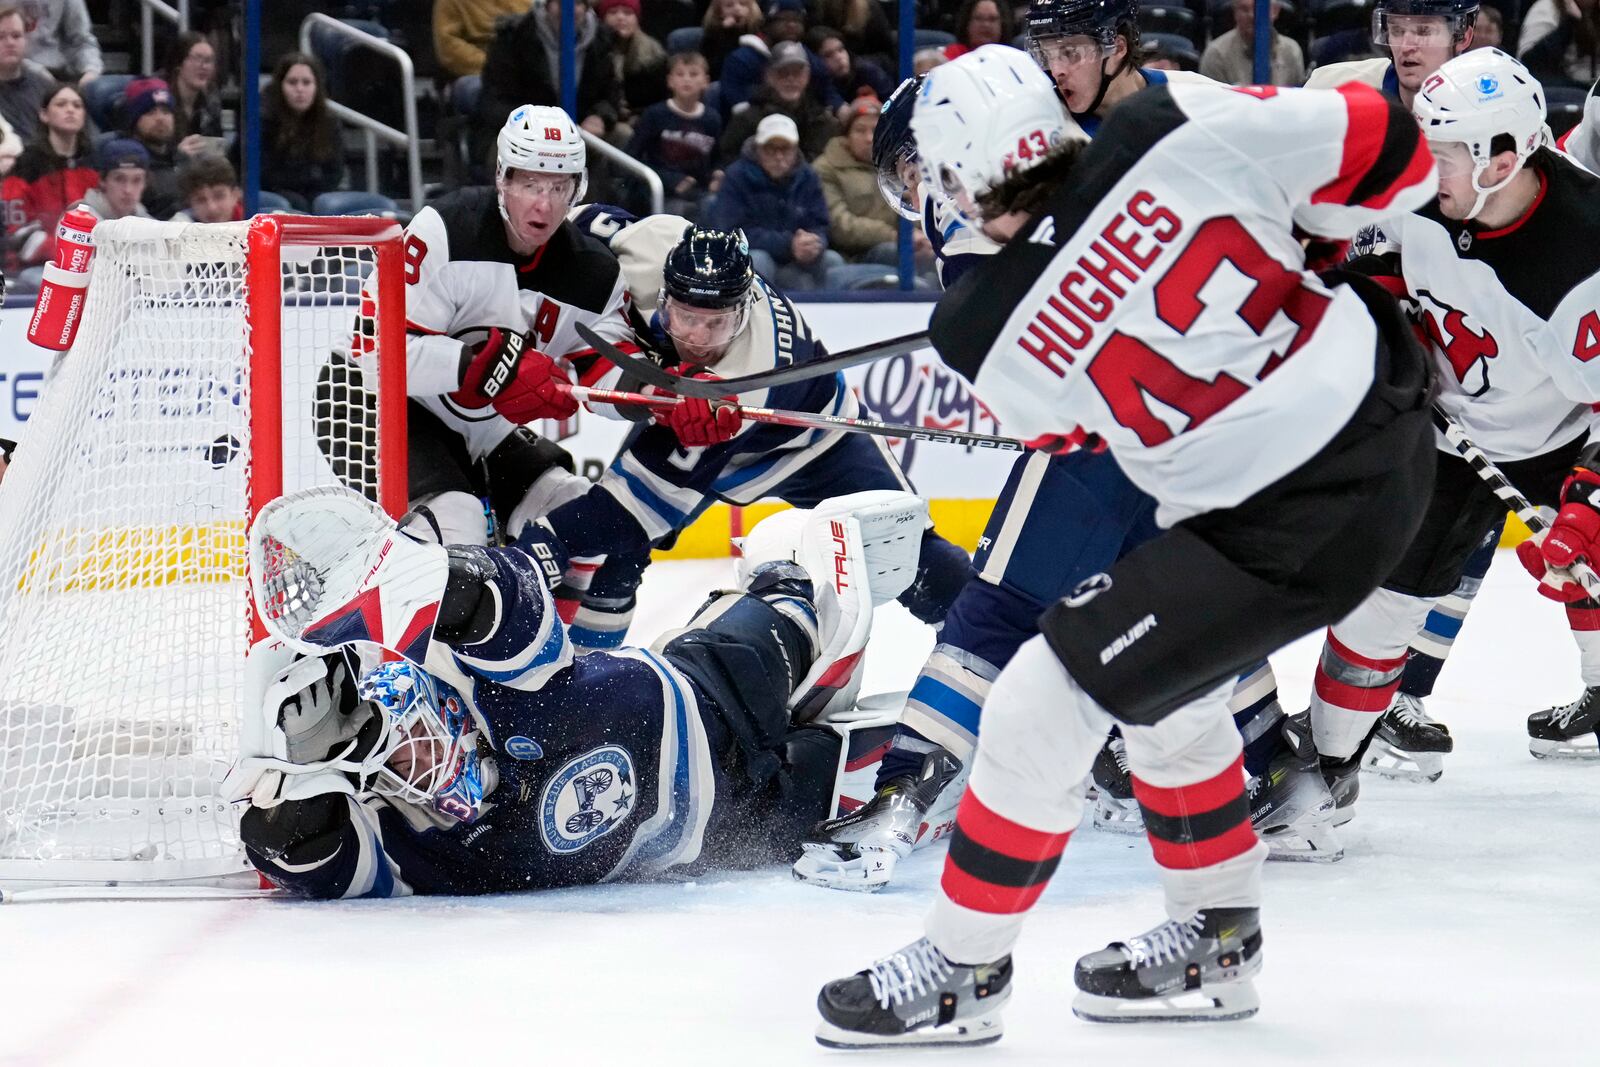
(217, 366)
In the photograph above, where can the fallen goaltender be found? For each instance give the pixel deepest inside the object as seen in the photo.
(483, 756)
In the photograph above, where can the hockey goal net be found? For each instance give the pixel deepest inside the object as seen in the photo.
(216, 367)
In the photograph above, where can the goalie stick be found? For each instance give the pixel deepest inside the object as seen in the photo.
(649, 373)
(810, 420)
(1484, 468)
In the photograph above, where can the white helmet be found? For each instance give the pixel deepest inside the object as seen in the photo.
(985, 117)
(1477, 96)
(543, 139)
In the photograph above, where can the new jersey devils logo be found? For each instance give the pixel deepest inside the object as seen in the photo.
(1469, 351)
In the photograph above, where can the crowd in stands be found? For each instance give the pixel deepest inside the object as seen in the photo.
(753, 113)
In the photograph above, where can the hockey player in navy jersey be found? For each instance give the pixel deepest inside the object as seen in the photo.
(697, 302)
(490, 758)
(496, 282)
(1058, 521)
(1282, 430)
(1505, 271)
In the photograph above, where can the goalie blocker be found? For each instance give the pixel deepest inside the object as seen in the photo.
(467, 768)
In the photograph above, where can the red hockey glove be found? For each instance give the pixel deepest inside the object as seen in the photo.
(522, 383)
(698, 422)
(1575, 535)
(1074, 440)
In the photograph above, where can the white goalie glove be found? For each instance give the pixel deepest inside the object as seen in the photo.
(302, 731)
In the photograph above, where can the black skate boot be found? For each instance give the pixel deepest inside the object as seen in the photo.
(1190, 970)
(1344, 782)
(1408, 745)
(915, 997)
(1292, 810)
(1567, 731)
(1115, 808)
(859, 851)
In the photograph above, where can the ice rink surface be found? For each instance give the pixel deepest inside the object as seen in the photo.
(1458, 929)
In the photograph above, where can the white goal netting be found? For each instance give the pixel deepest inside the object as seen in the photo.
(124, 609)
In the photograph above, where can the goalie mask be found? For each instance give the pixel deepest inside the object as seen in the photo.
(428, 752)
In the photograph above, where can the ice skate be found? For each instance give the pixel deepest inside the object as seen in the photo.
(1344, 782)
(1115, 808)
(1191, 970)
(915, 997)
(1568, 730)
(859, 851)
(1292, 810)
(1408, 745)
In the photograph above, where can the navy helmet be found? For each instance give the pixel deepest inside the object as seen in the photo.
(709, 268)
(1459, 15)
(1099, 19)
(894, 144)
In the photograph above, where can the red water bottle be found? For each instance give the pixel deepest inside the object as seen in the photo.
(65, 289)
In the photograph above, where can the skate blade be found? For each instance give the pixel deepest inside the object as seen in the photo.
(1324, 847)
(1218, 1003)
(1115, 818)
(984, 1029)
(1397, 765)
(826, 867)
(1563, 750)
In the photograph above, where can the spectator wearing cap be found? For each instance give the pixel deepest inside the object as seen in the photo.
(301, 153)
(1169, 51)
(210, 191)
(785, 90)
(23, 83)
(147, 111)
(863, 26)
(462, 30)
(191, 74)
(861, 226)
(745, 68)
(726, 25)
(850, 75)
(981, 22)
(53, 171)
(639, 62)
(1230, 58)
(61, 38)
(775, 198)
(524, 59)
(123, 165)
(677, 138)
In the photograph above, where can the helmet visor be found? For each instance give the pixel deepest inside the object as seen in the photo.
(1452, 158)
(701, 334)
(524, 186)
(1065, 53)
(900, 186)
(1390, 30)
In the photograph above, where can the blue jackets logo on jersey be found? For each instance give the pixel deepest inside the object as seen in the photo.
(523, 748)
(586, 799)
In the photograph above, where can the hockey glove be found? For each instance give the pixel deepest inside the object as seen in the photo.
(1574, 536)
(1074, 440)
(522, 383)
(698, 422)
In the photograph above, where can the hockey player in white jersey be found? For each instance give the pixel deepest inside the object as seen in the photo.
(496, 282)
(1419, 35)
(697, 302)
(1505, 272)
(1279, 421)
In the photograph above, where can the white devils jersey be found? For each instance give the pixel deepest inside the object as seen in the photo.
(1161, 298)
(1512, 314)
(463, 278)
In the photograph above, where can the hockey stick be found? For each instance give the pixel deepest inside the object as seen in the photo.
(649, 373)
(811, 420)
(1484, 468)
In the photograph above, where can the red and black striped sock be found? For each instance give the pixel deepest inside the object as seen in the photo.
(1197, 825)
(995, 865)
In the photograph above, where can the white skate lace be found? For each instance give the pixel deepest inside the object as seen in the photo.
(1120, 751)
(1408, 709)
(1166, 942)
(1568, 712)
(912, 972)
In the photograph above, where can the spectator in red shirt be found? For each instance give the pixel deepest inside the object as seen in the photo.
(981, 22)
(54, 171)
